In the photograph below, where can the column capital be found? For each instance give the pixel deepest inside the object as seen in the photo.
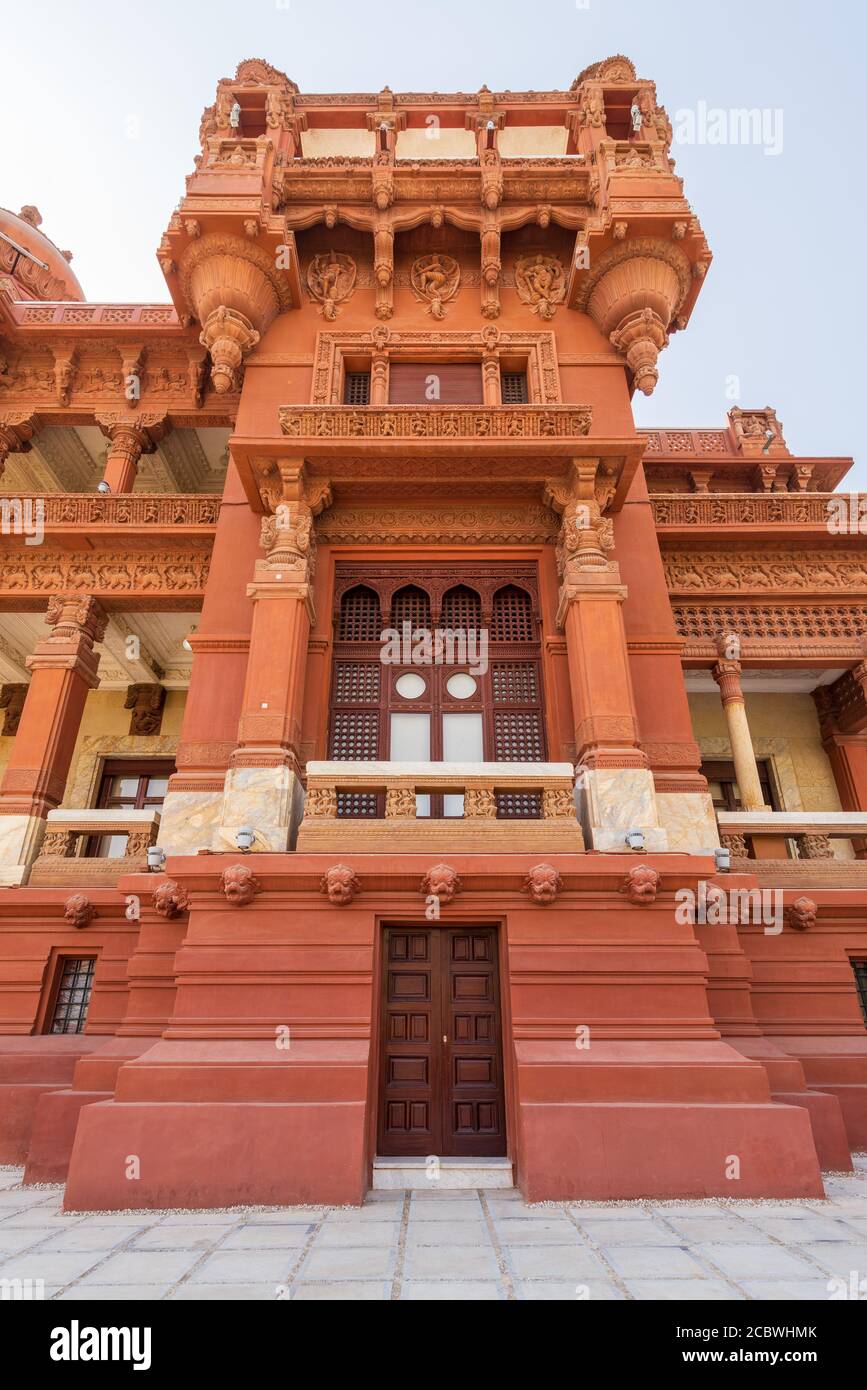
(78, 622)
(130, 436)
(727, 674)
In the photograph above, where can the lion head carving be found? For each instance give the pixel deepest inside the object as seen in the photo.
(441, 882)
(79, 911)
(341, 884)
(240, 884)
(641, 885)
(802, 914)
(544, 884)
(169, 899)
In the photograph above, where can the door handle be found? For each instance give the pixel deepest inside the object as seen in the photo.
(445, 1039)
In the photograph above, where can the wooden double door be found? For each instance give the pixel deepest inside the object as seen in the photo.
(441, 1068)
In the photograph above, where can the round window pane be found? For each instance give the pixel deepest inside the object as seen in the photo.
(410, 686)
(461, 686)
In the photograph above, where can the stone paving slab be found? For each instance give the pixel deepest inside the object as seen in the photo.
(435, 1245)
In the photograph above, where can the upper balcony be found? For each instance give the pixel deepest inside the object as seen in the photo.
(489, 807)
(472, 447)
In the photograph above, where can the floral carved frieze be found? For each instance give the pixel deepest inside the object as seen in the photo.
(812, 571)
(360, 525)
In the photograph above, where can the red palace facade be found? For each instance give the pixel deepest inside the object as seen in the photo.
(403, 756)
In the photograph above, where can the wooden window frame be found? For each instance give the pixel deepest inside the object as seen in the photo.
(56, 966)
(532, 351)
(487, 580)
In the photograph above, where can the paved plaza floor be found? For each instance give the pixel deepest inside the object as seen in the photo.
(443, 1245)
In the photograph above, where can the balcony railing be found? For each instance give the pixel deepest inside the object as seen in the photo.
(418, 429)
(62, 862)
(767, 833)
(511, 807)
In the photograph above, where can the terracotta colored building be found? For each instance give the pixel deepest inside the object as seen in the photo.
(403, 756)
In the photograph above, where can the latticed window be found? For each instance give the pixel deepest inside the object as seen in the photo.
(360, 618)
(473, 696)
(73, 995)
(356, 388)
(519, 805)
(515, 683)
(355, 735)
(513, 388)
(513, 616)
(518, 736)
(462, 610)
(356, 682)
(411, 605)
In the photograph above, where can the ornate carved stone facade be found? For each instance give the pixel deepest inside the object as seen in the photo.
(443, 660)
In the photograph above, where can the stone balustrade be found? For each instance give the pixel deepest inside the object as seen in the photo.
(374, 806)
(552, 427)
(64, 860)
(812, 832)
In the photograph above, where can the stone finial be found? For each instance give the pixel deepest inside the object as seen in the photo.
(340, 884)
(170, 899)
(641, 885)
(802, 914)
(442, 881)
(240, 885)
(544, 884)
(31, 215)
(79, 911)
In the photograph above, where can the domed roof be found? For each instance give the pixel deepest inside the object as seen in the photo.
(44, 272)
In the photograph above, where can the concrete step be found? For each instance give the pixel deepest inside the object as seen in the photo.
(441, 1174)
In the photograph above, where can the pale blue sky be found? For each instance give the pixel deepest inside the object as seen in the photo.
(102, 101)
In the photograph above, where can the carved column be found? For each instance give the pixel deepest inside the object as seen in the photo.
(614, 788)
(64, 669)
(193, 807)
(492, 392)
(727, 674)
(263, 786)
(128, 440)
(378, 378)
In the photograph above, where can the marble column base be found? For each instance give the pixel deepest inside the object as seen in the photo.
(689, 820)
(268, 799)
(189, 821)
(612, 801)
(20, 838)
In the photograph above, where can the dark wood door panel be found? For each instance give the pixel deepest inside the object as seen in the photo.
(473, 1112)
(441, 1077)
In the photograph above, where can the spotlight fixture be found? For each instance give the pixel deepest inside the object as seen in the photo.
(244, 838)
(723, 860)
(103, 487)
(635, 839)
(186, 644)
(156, 858)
